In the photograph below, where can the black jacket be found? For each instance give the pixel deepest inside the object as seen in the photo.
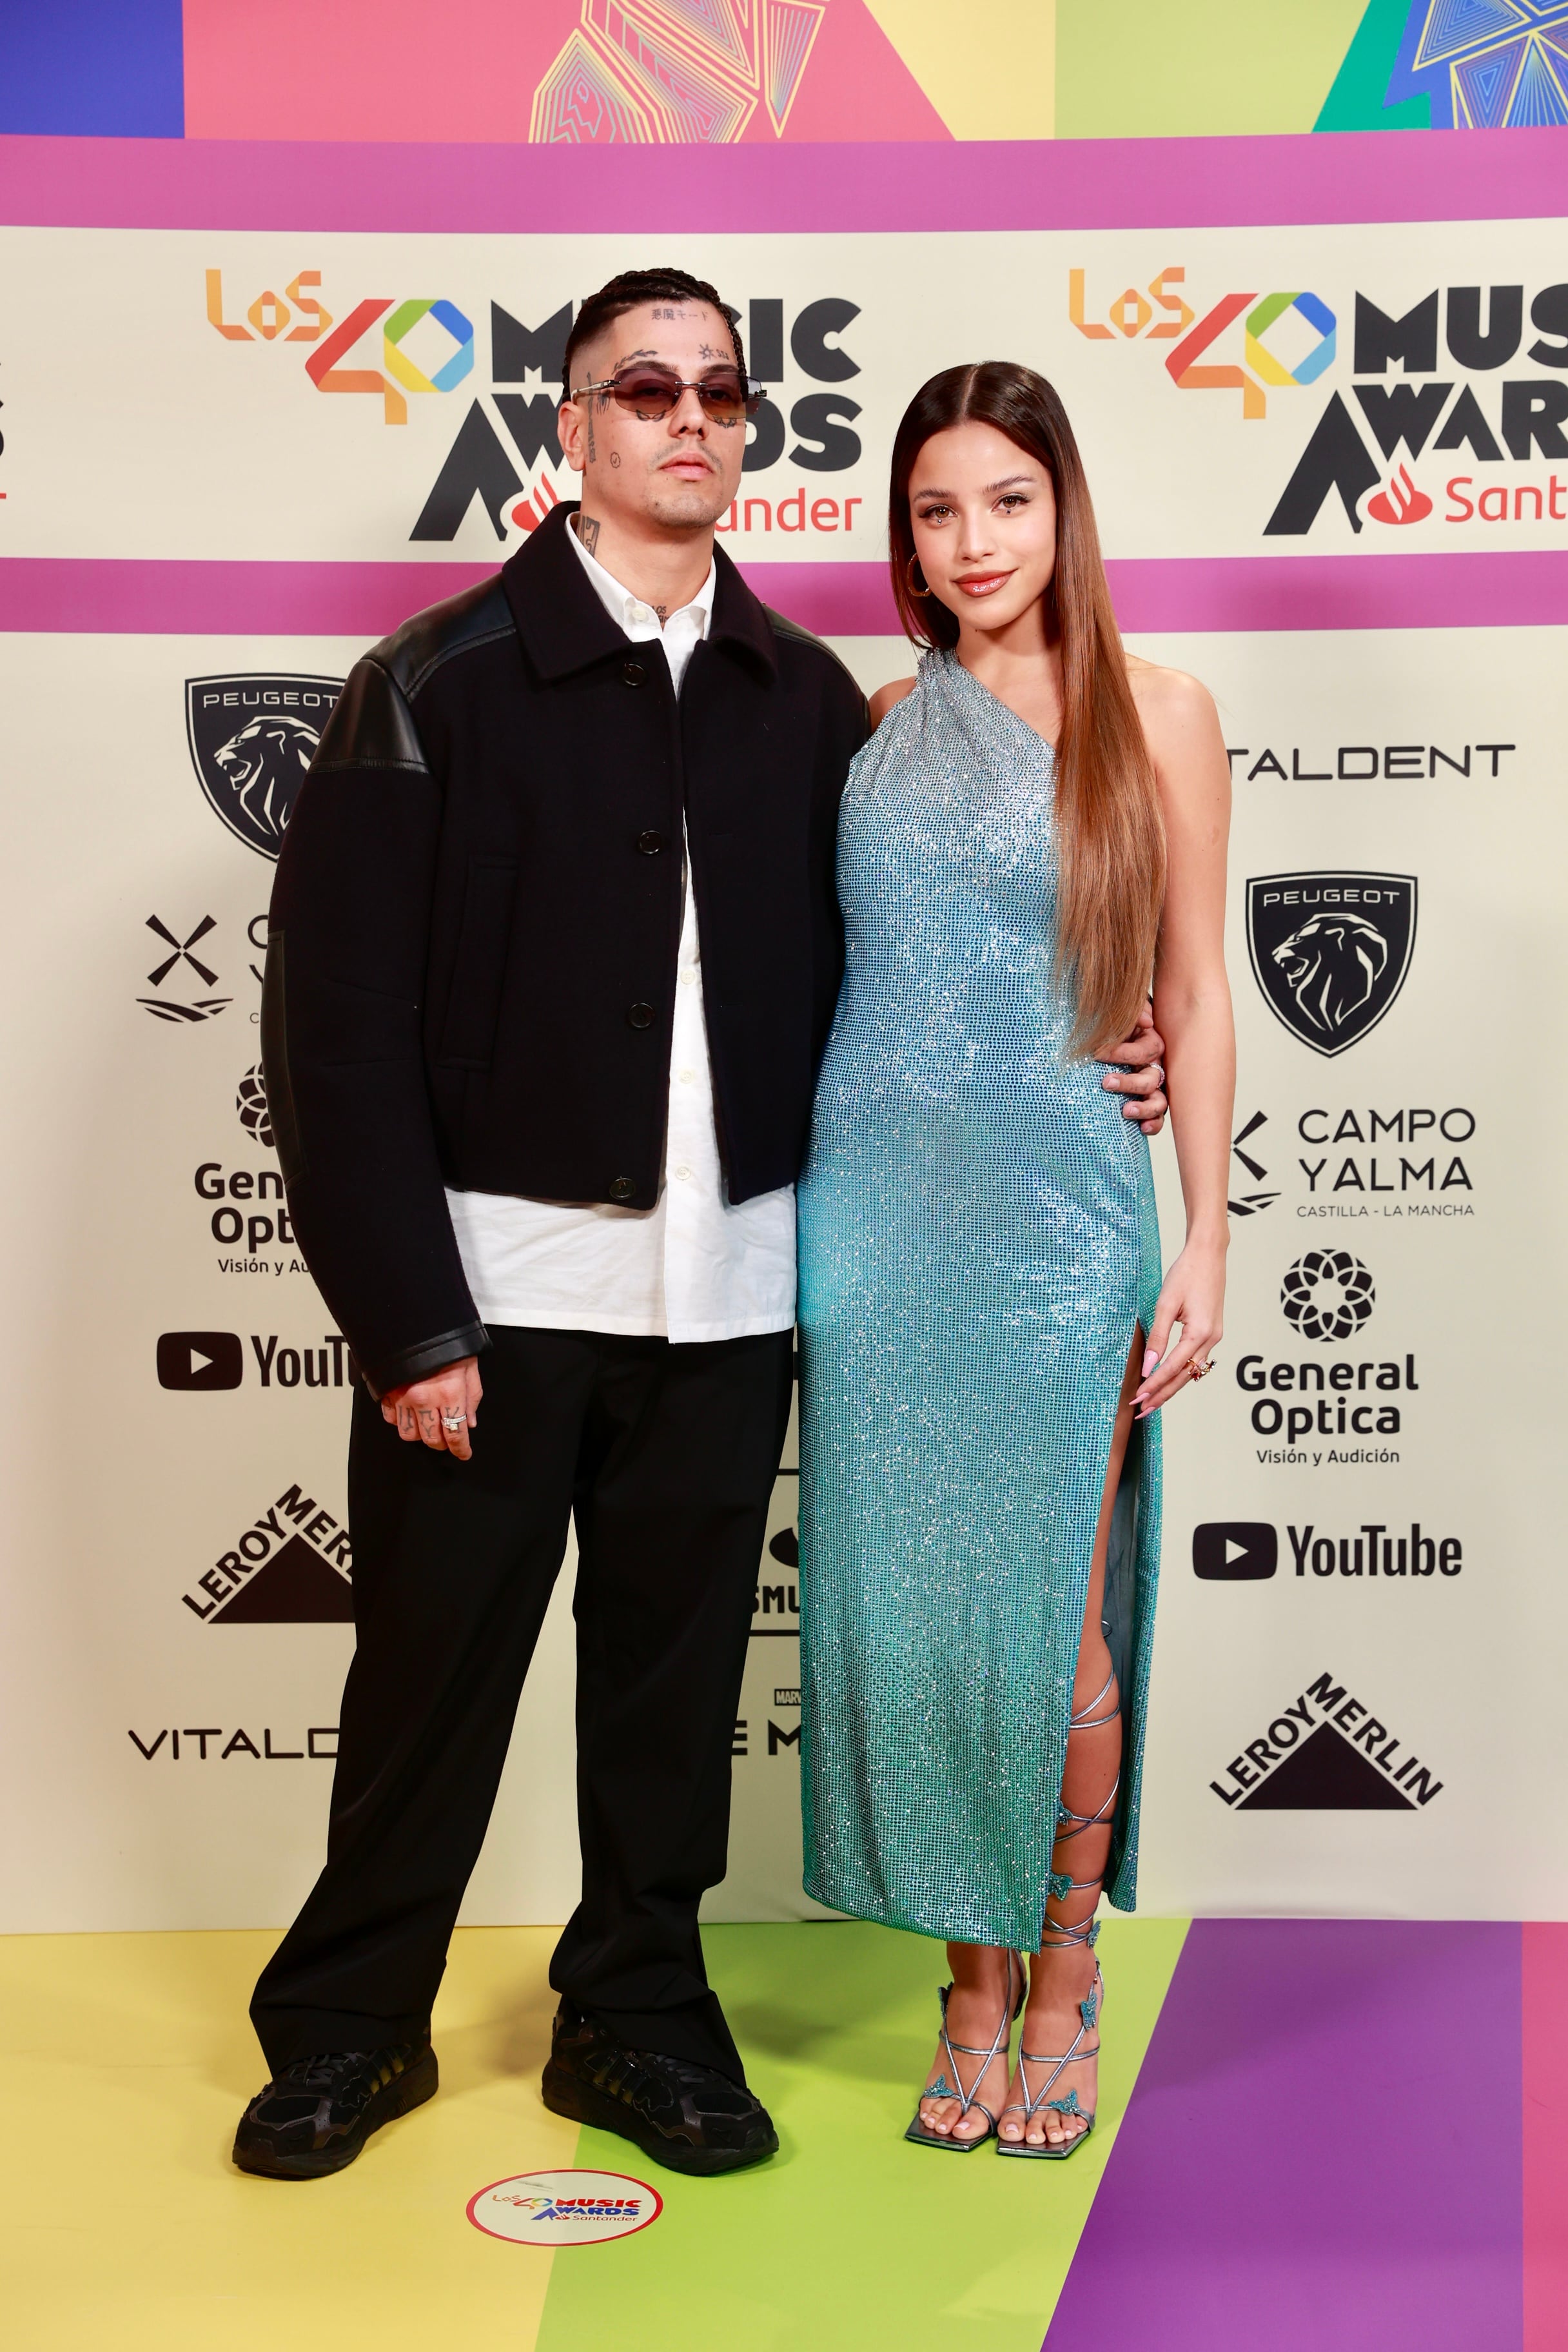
(471, 958)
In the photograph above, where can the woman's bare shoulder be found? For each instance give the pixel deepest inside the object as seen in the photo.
(1170, 703)
(883, 700)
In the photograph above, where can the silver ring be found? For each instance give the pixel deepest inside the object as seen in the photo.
(454, 1421)
(1160, 1072)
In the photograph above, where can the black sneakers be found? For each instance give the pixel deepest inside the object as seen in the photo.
(316, 2115)
(688, 2117)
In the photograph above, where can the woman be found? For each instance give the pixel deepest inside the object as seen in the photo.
(1036, 829)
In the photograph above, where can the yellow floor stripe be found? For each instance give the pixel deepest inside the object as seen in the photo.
(124, 2227)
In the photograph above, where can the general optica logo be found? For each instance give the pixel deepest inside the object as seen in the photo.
(565, 2209)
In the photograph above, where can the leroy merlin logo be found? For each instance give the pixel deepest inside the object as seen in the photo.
(1326, 1752)
(290, 1567)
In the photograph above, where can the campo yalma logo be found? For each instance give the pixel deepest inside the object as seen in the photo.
(1328, 1295)
(1331, 951)
(251, 740)
(172, 1008)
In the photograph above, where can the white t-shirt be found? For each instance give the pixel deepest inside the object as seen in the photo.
(692, 1267)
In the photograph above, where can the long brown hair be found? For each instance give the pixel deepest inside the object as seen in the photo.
(1111, 837)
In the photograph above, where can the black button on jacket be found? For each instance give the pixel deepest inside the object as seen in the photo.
(471, 960)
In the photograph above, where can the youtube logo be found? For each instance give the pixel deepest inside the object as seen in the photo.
(1235, 1551)
(200, 1360)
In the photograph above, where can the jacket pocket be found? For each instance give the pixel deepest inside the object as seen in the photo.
(473, 1008)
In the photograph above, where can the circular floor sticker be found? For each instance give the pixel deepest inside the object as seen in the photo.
(565, 2209)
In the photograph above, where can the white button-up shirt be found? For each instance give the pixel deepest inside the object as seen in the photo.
(692, 1267)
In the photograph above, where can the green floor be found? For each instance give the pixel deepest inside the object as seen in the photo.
(850, 2237)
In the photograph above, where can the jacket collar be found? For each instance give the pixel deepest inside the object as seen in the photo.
(565, 626)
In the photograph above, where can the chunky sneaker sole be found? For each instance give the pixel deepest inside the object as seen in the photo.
(566, 2094)
(406, 2091)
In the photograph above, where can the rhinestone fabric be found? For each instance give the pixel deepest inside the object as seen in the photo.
(977, 1241)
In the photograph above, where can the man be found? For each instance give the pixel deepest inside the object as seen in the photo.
(553, 952)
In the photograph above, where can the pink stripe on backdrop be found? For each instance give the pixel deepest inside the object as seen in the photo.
(890, 185)
(1341, 592)
(1202, 593)
(1545, 2138)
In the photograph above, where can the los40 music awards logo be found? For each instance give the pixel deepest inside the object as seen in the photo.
(391, 350)
(1457, 340)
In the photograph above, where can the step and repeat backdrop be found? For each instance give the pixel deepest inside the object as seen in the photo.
(210, 428)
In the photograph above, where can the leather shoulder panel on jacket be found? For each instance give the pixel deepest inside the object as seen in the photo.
(782, 626)
(455, 626)
(371, 726)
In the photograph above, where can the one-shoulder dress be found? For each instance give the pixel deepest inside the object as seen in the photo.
(978, 1242)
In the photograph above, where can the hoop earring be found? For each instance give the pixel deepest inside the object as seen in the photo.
(922, 593)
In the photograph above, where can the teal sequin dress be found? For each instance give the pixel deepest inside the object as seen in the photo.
(977, 1242)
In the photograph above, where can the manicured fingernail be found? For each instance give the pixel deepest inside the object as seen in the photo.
(1150, 1360)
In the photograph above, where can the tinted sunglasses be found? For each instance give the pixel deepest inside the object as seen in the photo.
(647, 391)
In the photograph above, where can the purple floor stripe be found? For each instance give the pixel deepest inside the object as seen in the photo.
(1323, 2150)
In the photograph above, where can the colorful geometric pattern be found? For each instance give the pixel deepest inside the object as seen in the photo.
(1312, 2133)
(642, 71)
(675, 69)
(1487, 65)
(789, 27)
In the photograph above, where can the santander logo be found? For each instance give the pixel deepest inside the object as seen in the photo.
(528, 515)
(1401, 502)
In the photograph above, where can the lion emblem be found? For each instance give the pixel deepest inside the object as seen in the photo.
(1332, 965)
(264, 766)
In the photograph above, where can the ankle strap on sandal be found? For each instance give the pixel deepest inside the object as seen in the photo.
(953, 2050)
(1058, 1935)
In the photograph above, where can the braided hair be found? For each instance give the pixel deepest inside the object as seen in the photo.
(630, 291)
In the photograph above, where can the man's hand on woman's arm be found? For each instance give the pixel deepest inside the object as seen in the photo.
(1143, 1080)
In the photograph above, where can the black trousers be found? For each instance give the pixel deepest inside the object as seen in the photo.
(666, 1457)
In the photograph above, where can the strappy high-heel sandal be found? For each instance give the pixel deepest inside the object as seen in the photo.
(1058, 1935)
(952, 2050)
(1036, 2102)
